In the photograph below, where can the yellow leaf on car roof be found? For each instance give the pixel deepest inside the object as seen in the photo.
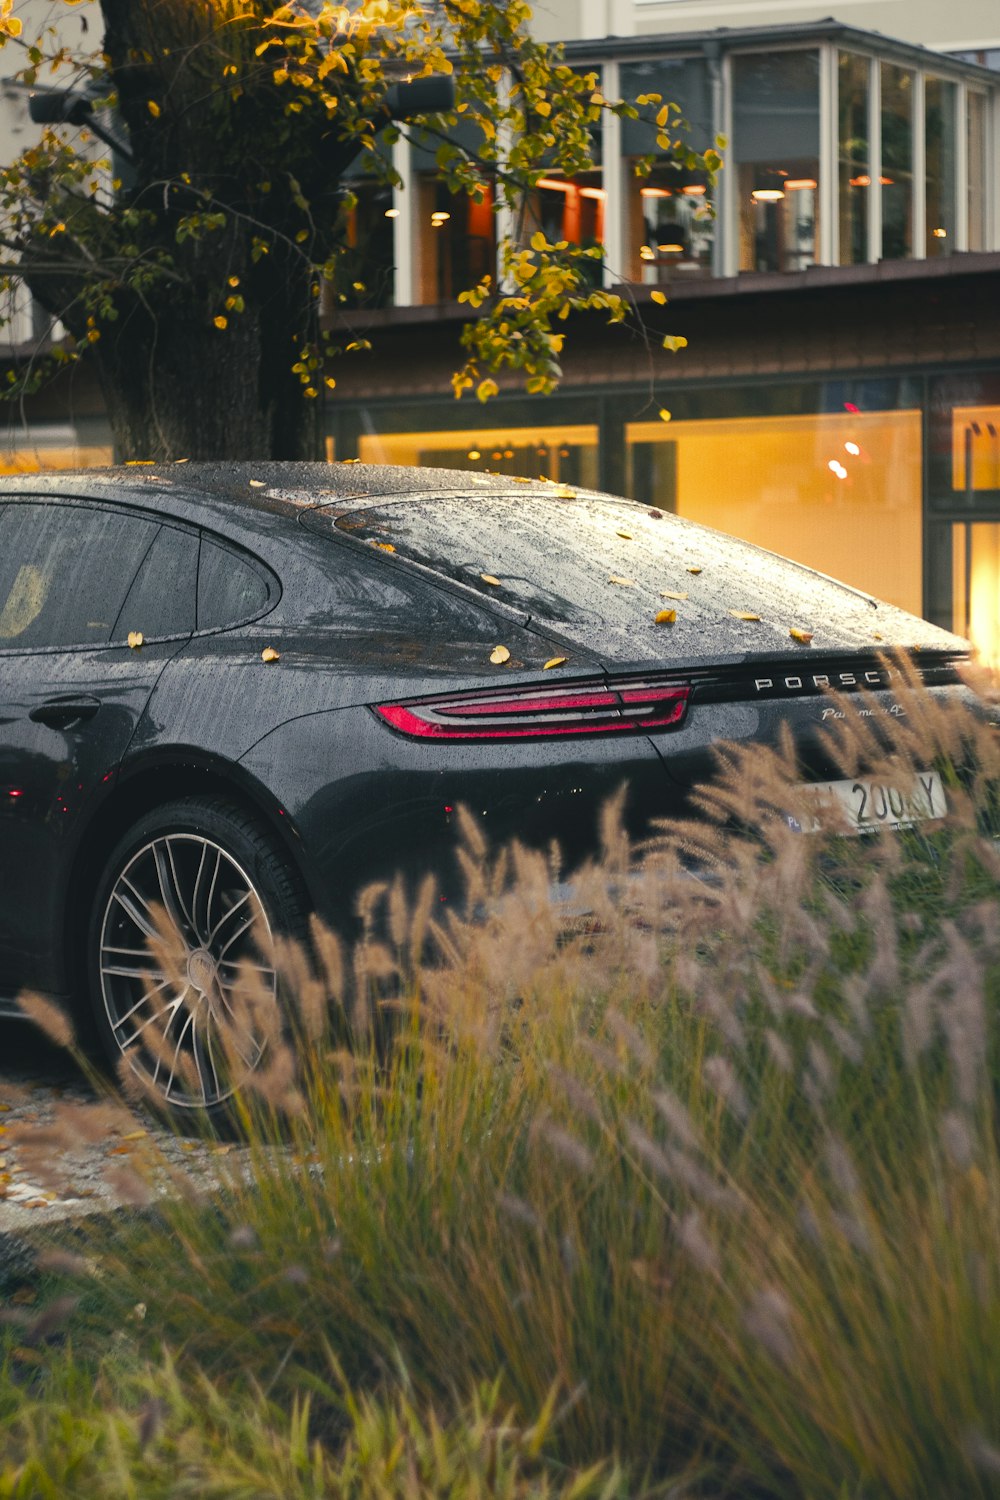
(667, 594)
(554, 661)
(805, 636)
(488, 578)
(666, 617)
(135, 639)
(743, 614)
(627, 583)
(499, 655)
(269, 654)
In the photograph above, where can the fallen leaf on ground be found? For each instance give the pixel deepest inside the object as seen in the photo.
(694, 570)
(554, 661)
(805, 636)
(488, 578)
(666, 617)
(269, 654)
(257, 484)
(499, 655)
(135, 639)
(743, 614)
(626, 583)
(627, 535)
(666, 594)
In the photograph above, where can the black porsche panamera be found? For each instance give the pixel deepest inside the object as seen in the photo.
(241, 692)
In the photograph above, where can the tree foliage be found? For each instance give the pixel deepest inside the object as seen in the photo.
(194, 274)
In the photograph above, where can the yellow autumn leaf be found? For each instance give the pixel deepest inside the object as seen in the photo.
(221, 321)
(664, 414)
(743, 614)
(154, 108)
(660, 297)
(805, 636)
(543, 108)
(385, 546)
(499, 655)
(666, 594)
(257, 484)
(627, 535)
(554, 661)
(182, 460)
(135, 639)
(665, 616)
(269, 654)
(694, 570)
(626, 583)
(488, 578)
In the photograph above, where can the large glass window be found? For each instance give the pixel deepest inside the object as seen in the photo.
(975, 558)
(670, 226)
(853, 158)
(940, 166)
(975, 449)
(573, 208)
(775, 149)
(838, 491)
(456, 233)
(897, 162)
(976, 129)
(566, 452)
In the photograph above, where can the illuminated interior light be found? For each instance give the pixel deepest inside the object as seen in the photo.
(836, 467)
(852, 449)
(474, 453)
(767, 195)
(864, 181)
(439, 218)
(555, 184)
(940, 234)
(655, 192)
(887, 181)
(392, 213)
(671, 249)
(647, 253)
(589, 192)
(800, 184)
(694, 190)
(508, 453)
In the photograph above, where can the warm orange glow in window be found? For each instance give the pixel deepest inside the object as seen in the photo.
(975, 431)
(567, 452)
(976, 588)
(34, 460)
(796, 485)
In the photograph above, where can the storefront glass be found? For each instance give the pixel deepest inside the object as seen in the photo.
(854, 161)
(975, 557)
(670, 226)
(940, 166)
(775, 153)
(897, 162)
(839, 491)
(567, 452)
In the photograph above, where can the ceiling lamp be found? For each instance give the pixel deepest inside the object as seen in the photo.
(655, 192)
(800, 184)
(694, 190)
(767, 195)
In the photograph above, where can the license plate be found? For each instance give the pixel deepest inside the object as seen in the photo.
(865, 806)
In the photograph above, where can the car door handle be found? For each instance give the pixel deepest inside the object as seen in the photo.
(57, 713)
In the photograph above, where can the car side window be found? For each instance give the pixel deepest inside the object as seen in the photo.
(230, 589)
(162, 600)
(65, 571)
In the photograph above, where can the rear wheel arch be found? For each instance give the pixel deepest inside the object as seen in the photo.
(142, 790)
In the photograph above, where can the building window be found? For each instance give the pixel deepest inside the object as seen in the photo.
(573, 208)
(940, 166)
(975, 562)
(839, 491)
(457, 244)
(897, 162)
(976, 128)
(670, 227)
(776, 154)
(567, 452)
(853, 157)
(366, 266)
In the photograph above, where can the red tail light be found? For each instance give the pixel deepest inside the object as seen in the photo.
(594, 707)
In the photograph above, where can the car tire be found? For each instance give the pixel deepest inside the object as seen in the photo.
(225, 889)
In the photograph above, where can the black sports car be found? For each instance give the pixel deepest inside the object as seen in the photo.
(240, 692)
